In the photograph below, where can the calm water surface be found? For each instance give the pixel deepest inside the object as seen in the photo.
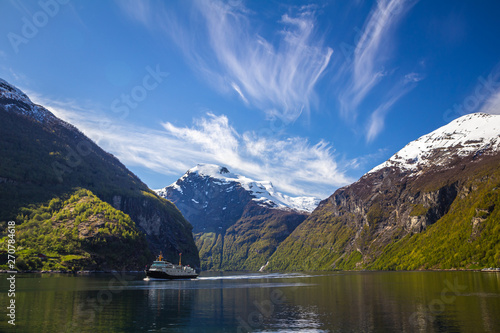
(257, 302)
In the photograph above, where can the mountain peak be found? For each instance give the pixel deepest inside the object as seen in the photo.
(263, 192)
(472, 134)
(210, 170)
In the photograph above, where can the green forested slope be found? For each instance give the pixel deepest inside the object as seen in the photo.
(443, 219)
(82, 232)
(467, 237)
(249, 243)
(42, 160)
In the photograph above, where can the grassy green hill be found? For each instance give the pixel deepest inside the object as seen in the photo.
(82, 232)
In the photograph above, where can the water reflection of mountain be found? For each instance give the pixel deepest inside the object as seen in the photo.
(393, 301)
(329, 302)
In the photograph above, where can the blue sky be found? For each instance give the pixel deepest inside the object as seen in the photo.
(308, 95)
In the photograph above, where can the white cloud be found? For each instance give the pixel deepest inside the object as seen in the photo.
(373, 44)
(377, 118)
(212, 135)
(492, 104)
(367, 69)
(488, 89)
(413, 77)
(376, 122)
(293, 165)
(140, 11)
(222, 42)
(238, 90)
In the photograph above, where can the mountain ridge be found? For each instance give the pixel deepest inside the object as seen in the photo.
(473, 133)
(390, 213)
(45, 159)
(12, 97)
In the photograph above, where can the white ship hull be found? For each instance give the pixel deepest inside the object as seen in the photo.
(165, 270)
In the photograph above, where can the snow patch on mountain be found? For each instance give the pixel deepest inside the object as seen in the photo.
(13, 98)
(472, 134)
(263, 192)
(9, 91)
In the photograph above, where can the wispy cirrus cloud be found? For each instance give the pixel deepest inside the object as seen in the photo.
(293, 165)
(137, 10)
(368, 67)
(221, 40)
(487, 93)
(377, 118)
(369, 53)
(492, 104)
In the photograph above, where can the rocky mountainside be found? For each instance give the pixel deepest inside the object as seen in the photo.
(262, 193)
(46, 159)
(237, 222)
(434, 204)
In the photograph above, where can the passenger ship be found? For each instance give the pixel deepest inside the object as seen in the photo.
(165, 270)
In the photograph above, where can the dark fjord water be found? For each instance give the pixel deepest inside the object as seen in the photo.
(258, 302)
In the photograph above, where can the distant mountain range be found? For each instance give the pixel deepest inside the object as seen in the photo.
(433, 205)
(237, 221)
(75, 203)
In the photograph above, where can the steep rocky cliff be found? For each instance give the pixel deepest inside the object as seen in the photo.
(440, 191)
(45, 158)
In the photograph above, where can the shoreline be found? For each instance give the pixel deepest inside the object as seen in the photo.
(88, 272)
(69, 272)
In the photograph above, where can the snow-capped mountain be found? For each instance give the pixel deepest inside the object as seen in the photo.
(262, 192)
(237, 222)
(448, 179)
(472, 134)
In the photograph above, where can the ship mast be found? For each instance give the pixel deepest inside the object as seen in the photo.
(180, 256)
